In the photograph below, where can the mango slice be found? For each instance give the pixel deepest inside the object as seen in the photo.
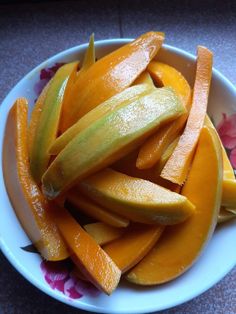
(87, 254)
(103, 233)
(136, 199)
(93, 210)
(177, 167)
(48, 123)
(89, 58)
(180, 245)
(110, 75)
(129, 249)
(30, 206)
(35, 116)
(166, 155)
(115, 102)
(152, 150)
(144, 78)
(110, 138)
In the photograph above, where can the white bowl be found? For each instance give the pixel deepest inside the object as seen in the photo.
(217, 260)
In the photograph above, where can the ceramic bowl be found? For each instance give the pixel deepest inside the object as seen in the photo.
(58, 279)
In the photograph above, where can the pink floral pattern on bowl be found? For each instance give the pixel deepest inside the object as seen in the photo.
(61, 276)
(227, 132)
(45, 75)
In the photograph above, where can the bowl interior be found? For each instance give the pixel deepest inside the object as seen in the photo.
(211, 266)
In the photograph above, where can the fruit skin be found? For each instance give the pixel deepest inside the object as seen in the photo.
(111, 74)
(109, 138)
(30, 206)
(181, 245)
(177, 167)
(89, 257)
(144, 78)
(103, 233)
(136, 199)
(153, 148)
(130, 248)
(117, 101)
(48, 122)
(93, 210)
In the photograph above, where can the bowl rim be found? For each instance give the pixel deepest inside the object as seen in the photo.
(21, 268)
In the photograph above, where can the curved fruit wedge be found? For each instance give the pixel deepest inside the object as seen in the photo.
(129, 249)
(93, 210)
(152, 150)
(35, 116)
(144, 78)
(181, 245)
(103, 233)
(165, 156)
(29, 204)
(177, 167)
(89, 58)
(87, 254)
(48, 123)
(108, 76)
(110, 138)
(136, 199)
(115, 102)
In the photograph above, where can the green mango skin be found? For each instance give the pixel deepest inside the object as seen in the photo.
(49, 120)
(115, 102)
(110, 138)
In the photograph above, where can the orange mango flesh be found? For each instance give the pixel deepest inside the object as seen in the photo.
(136, 199)
(127, 165)
(70, 83)
(129, 249)
(177, 167)
(35, 116)
(117, 101)
(110, 75)
(48, 123)
(87, 254)
(29, 204)
(180, 245)
(144, 78)
(93, 210)
(165, 156)
(103, 233)
(152, 150)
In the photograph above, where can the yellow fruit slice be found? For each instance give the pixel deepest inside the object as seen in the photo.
(30, 206)
(181, 245)
(136, 199)
(129, 249)
(93, 210)
(110, 138)
(87, 254)
(152, 150)
(103, 233)
(117, 101)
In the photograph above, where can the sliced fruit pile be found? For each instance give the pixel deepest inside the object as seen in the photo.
(127, 143)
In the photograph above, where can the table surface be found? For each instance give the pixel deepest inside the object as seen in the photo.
(30, 32)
